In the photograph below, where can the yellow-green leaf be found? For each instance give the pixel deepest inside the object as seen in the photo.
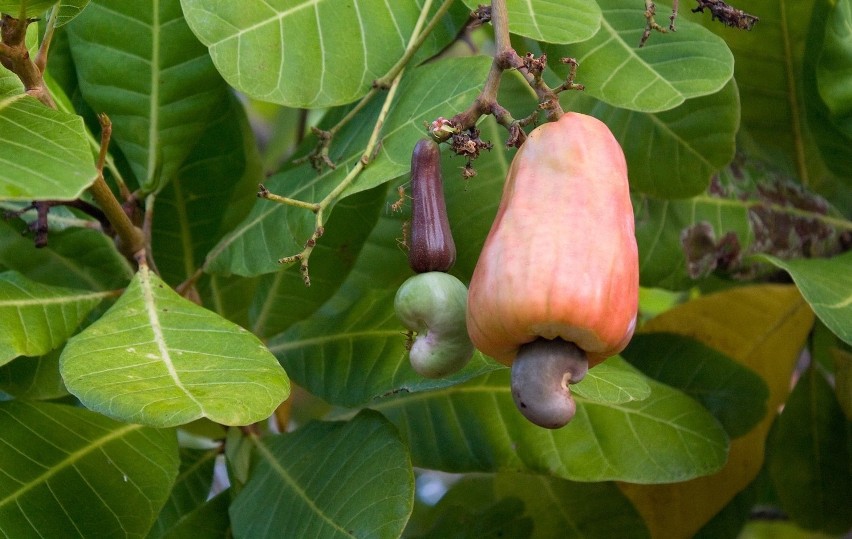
(763, 327)
(35, 318)
(33, 8)
(158, 359)
(44, 154)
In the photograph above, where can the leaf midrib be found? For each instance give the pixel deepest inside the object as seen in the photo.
(60, 300)
(297, 489)
(159, 338)
(446, 393)
(371, 334)
(154, 103)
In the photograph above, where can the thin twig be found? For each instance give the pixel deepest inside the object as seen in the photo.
(651, 22)
(131, 237)
(319, 208)
(366, 157)
(505, 57)
(15, 57)
(727, 14)
(320, 156)
(263, 192)
(41, 56)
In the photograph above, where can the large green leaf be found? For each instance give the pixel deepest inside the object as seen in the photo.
(810, 457)
(552, 22)
(734, 394)
(218, 179)
(70, 472)
(45, 153)
(826, 284)
(664, 73)
(190, 491)
(273, 230)
(303, 53)
(37, 318)
(159, 359)
(60, 263)
(475, 427)
(834, 70)
(340, 479)
(138, 62)
(776, 77)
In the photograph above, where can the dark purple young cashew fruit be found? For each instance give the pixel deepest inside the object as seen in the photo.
(431, 246)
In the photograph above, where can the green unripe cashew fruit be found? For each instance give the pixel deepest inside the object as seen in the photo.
(434, 306)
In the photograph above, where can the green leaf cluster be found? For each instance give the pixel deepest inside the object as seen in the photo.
(210, 392)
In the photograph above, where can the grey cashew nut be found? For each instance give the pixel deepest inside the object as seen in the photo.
(541, 373)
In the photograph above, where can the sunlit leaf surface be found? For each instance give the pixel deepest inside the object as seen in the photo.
(36, 318)
(159, 359)
(475, 427)
(311, 53)
(45, 154)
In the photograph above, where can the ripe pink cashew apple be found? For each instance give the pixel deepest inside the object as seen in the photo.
(556, 287)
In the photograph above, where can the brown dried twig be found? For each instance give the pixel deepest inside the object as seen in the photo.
(505, 58)
(729, 15)
(719, 10)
